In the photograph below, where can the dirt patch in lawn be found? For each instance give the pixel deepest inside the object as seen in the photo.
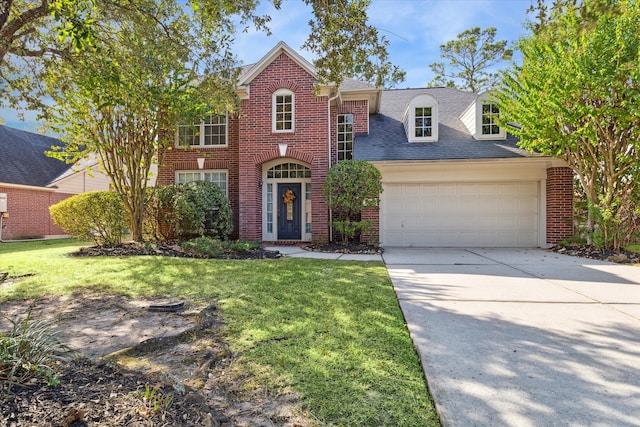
(139, 367)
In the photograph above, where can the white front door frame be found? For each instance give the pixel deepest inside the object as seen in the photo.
(270, 205)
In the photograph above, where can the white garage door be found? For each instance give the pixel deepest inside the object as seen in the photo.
(500, 214)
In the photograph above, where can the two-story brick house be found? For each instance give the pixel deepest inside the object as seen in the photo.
(451, 176)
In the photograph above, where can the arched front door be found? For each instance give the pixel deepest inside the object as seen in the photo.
(286, 199)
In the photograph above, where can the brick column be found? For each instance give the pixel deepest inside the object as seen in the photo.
(370, 214)
(559, 204)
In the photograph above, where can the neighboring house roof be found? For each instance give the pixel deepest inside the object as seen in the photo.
(23, 160)
(387, 139)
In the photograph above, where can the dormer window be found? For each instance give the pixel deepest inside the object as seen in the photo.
(481, 119)
(421, 119)
(490, 113)
(283, 111)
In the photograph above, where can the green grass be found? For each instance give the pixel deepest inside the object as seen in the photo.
(332, 331)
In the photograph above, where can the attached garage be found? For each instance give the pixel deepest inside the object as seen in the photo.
(502, 214)
(460, 205)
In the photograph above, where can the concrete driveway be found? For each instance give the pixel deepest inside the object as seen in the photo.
(523, 337)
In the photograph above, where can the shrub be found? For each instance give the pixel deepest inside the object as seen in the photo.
(29, 351)
(215, 247)
(195, 209)
(98, 216)
(350, 187)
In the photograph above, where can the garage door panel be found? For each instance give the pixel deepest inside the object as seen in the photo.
(461, 214)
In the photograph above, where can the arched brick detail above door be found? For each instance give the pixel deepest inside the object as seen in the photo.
(290, 154)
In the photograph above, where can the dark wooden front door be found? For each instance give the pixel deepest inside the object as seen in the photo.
(289, 212)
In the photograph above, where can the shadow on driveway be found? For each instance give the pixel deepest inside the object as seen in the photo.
(523, 337)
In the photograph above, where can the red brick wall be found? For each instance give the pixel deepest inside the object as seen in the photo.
(177, 159)
(308, 142)
(252, 143)
(559, 204)
(29, 213)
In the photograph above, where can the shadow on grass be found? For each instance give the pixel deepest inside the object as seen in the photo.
(332, 330)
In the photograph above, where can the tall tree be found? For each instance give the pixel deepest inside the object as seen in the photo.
(575, 96)
(123, 100)
(470, 60)
(347, 46)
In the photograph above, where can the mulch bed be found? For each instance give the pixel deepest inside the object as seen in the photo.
(170, 249)
(587, 251)
(92, 394)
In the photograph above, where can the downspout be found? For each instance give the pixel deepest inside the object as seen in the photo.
(329, 147)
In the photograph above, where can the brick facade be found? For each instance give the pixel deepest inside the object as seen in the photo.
(29, 213)
(252, 143)
(559, 204)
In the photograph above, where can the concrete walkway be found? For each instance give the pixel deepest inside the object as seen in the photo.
(513, 337)
(297, 252)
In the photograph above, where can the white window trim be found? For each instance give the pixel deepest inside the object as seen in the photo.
(201, 172)
(201, 134)
(272, 237)
(338, 133)
(479, 135)
(409, 119)
(281, 92)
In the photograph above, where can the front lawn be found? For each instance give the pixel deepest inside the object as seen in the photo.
(330, 330)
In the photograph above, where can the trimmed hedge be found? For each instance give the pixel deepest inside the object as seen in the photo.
(98, 216)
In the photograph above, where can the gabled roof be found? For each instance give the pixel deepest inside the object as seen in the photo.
(23, 160)
(251, 72)
(387, 139)
(350, 89)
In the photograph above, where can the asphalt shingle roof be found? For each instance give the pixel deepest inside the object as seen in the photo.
(23, 160)
(387, 139)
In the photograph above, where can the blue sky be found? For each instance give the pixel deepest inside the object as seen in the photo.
(415, 29)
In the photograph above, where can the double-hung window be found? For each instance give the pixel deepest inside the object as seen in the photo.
(211, 132)
(423, 122)
(490, 113)
(216, 176)
(345, 137)
(283, 111)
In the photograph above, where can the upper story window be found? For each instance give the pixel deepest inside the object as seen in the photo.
(211, 132)
(421, 119)
(283, 110)
(345, 137)
(490, 114)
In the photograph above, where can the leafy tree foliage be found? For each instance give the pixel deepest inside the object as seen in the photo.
(35, 33)
(347, 46)
(195, 209)
(96, 216)
(32, 32)
(350, 187)
(575, 97)
(470, 59)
